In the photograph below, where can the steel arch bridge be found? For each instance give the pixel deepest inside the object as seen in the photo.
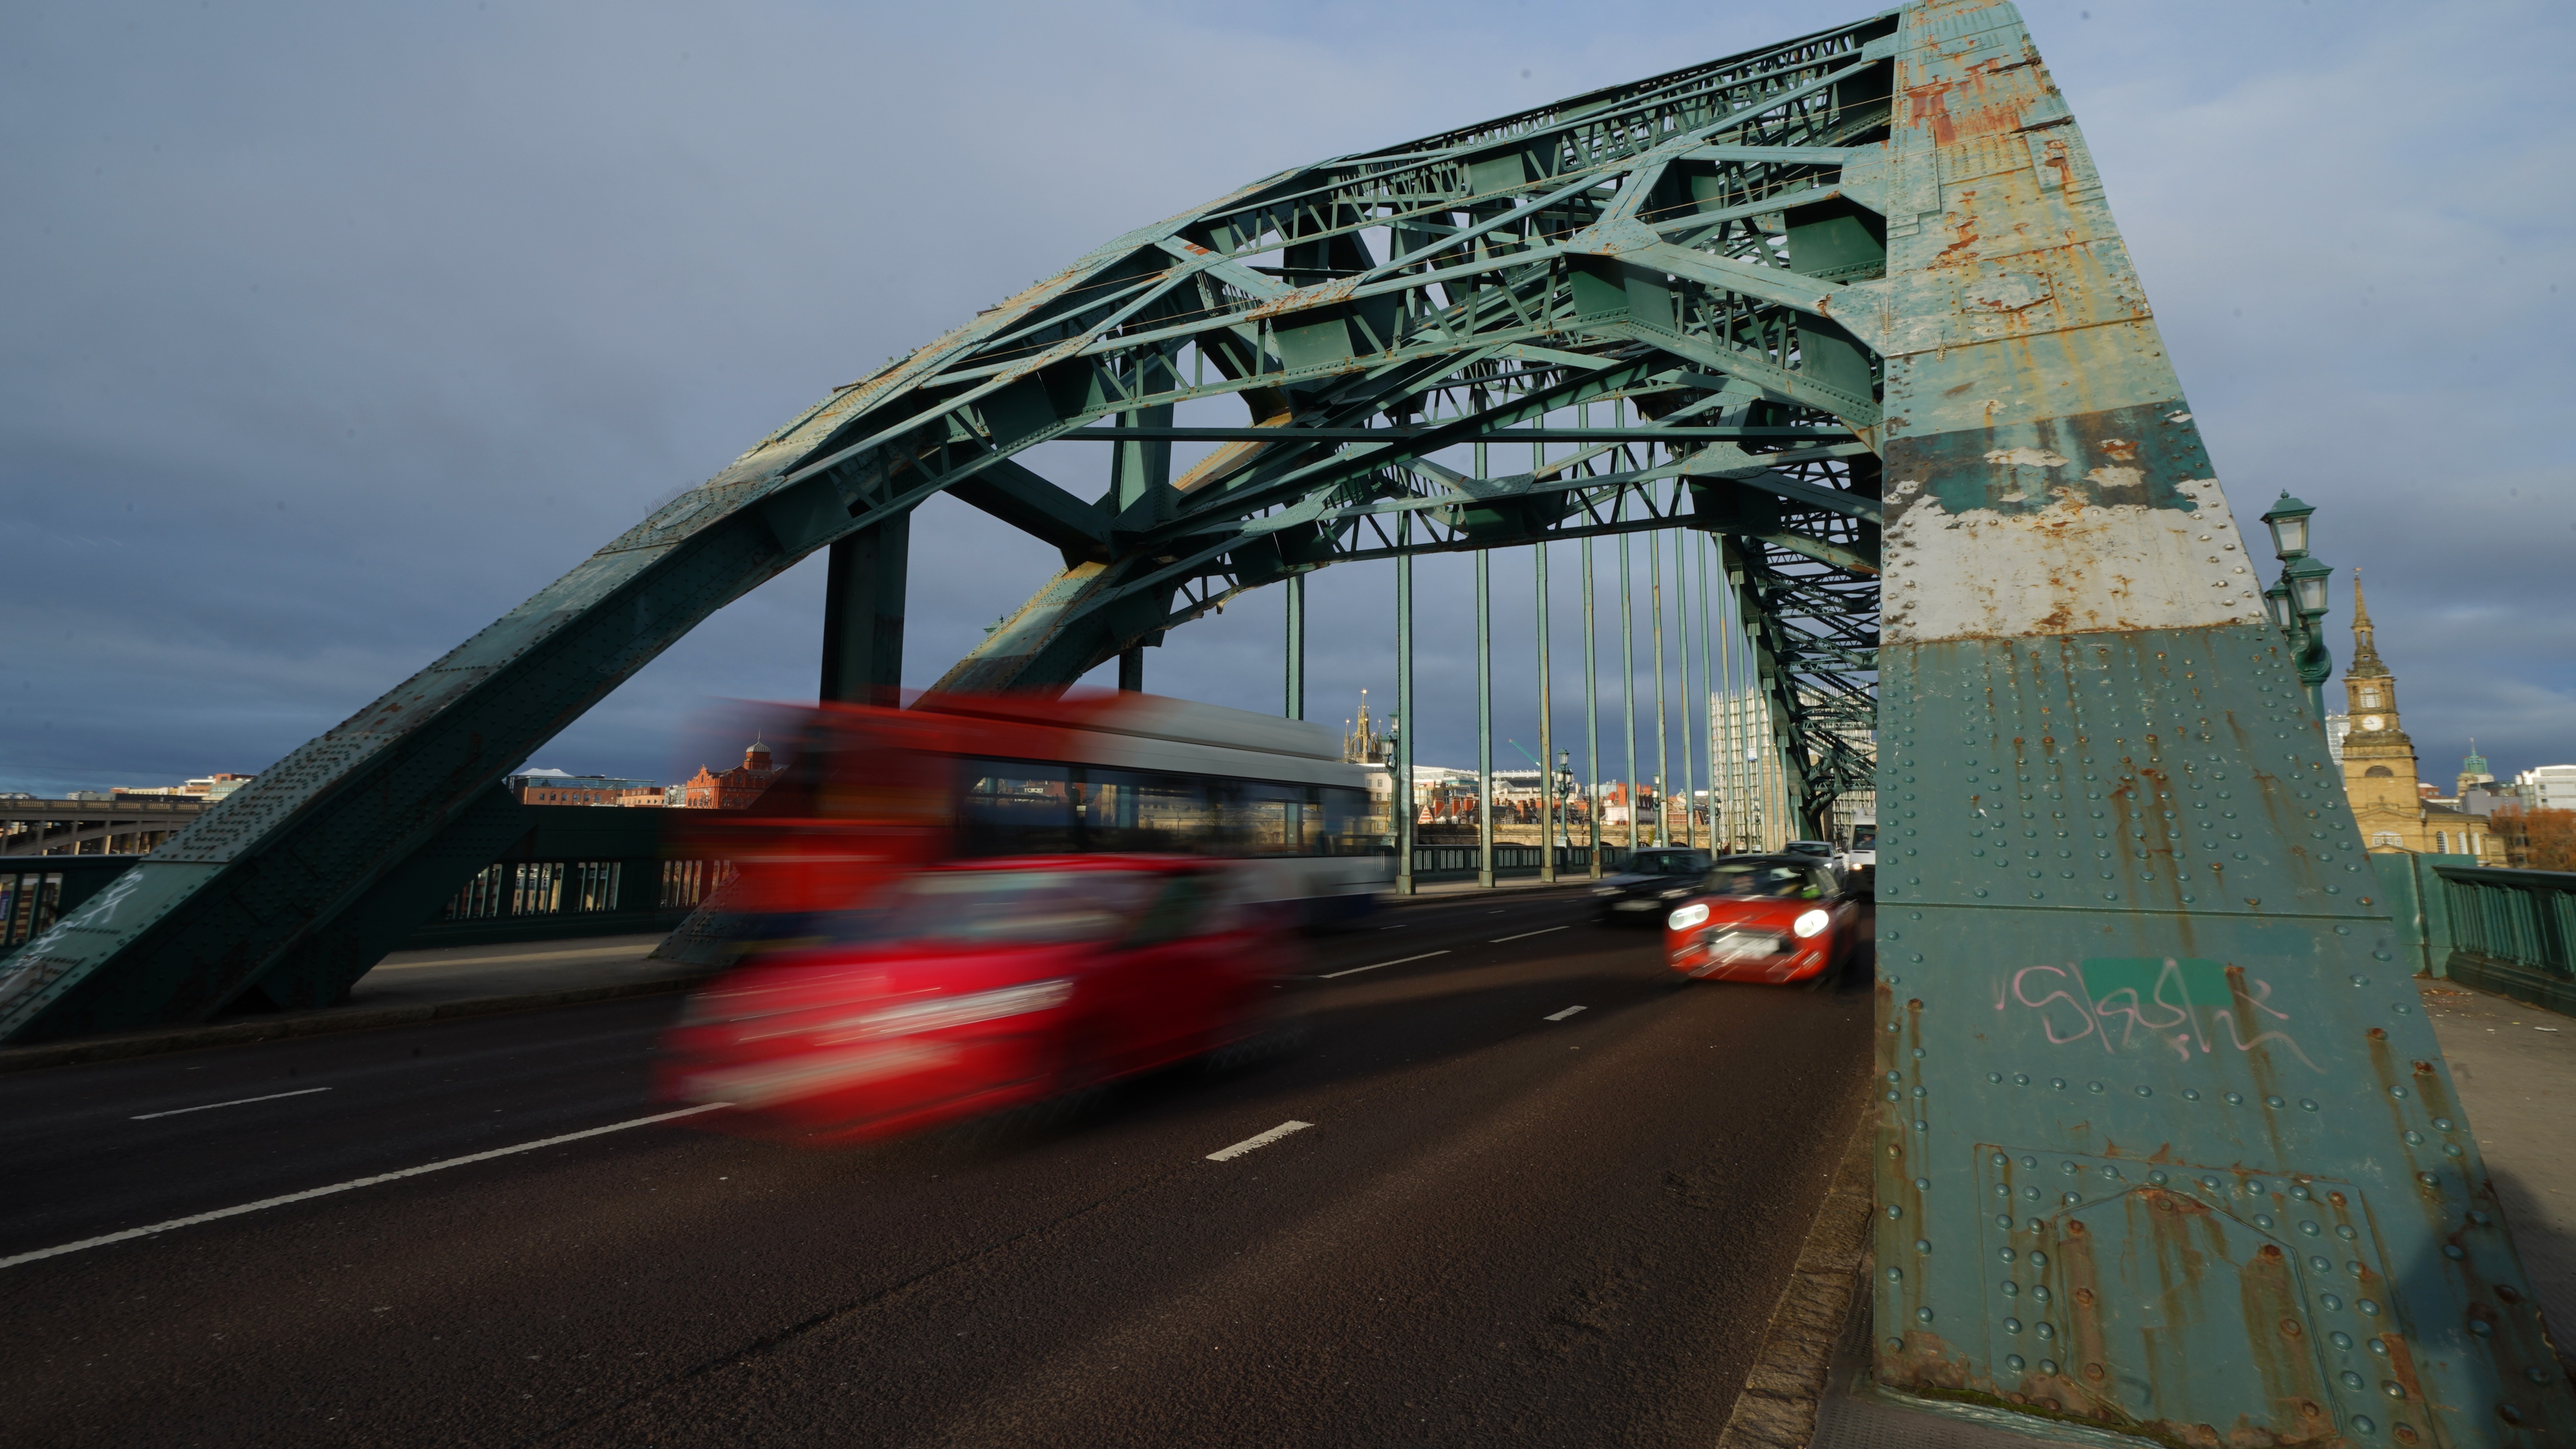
(2165, 1142)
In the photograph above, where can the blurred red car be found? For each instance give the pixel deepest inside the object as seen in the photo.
(1763, 918)
(979, 986)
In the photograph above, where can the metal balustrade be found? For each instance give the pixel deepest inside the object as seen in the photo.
(2513, 932)
(29, 901)
(1453, 862)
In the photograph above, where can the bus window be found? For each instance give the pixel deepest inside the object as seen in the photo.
(1014, 808)
(1257, 818)
(1350, 825)
(1131, 810)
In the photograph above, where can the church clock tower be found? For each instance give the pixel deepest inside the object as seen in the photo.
(2378, 758)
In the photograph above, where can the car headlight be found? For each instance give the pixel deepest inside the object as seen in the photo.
(1811, 923)
(1687, 917)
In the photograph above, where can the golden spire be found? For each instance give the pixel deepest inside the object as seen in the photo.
(2365, 653)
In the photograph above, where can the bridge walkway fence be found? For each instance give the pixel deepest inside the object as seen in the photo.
(2510, 932)
(575, 871)
(1459, 862)
(592, 871)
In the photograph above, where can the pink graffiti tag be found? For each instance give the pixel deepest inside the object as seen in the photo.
(2169, 998)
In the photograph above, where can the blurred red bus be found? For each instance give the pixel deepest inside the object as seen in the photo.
(982, 985)
(867, 795)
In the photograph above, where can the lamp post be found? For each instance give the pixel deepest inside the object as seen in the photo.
(2297, 601)
(1564, 797)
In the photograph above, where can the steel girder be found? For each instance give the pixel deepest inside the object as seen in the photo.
(2245, 1209)
(1664, 253)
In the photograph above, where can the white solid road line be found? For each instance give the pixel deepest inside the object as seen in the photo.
(1562, 1015)
(252, 1207)
(235, 1102)
(1525, 935)
(1398, 961)
(1262, 1139)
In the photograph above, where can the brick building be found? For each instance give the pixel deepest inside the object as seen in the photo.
(732, 789)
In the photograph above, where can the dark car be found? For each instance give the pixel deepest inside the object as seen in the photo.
(1646, 887)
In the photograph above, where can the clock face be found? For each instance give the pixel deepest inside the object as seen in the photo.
(2370, 721)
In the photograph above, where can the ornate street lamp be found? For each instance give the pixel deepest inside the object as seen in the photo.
(1564, 793)
(2297, 601)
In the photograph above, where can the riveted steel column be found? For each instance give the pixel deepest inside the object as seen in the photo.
(1131, 669)
(1628, 684)
(863, 590)
(1708, 688)
(1484, 715)
(1546, 736)
(1663, 755)
(2165, 1142)
(1401, 802)
(1726, 714)
(1681, 621)
(1293, 705)
(1591, 726)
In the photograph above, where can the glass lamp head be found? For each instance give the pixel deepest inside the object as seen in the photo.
(2308, 584)
(2288, 520)
(2276, 602)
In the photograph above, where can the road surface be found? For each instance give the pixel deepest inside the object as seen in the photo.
(1507, 1221)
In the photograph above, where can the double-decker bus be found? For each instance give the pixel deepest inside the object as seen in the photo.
(867, 794)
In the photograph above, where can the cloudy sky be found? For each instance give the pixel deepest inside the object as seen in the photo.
(333, 331)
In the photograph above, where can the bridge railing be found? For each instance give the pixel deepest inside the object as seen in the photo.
(578, 871)
(2512, 932)
(1458, 862)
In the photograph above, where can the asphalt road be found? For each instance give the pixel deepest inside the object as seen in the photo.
(1503, 1224)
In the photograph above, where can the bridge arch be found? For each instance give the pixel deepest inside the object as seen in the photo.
(1855, 302)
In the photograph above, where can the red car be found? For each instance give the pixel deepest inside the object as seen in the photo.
(978, 986)
(1763, 918)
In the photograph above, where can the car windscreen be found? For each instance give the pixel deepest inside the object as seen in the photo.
(1667, 862)
(1014, 907)
(1771, 879)
(1864, 837)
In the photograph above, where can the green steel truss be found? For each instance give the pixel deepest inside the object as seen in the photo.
(1636, 282)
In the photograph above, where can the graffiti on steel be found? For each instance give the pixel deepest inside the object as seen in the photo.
(2089, 997)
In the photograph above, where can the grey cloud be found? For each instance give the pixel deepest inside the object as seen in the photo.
(467, 291)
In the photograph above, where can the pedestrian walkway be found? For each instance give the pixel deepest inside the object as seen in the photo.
(1449, 890)
(515, 968)
(409, 987)
(2516, 1070)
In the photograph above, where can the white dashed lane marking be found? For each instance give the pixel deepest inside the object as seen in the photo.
(1525, 935)
(1398, 961)
(1562, 1015)
(1257, 1140)
(354, 1183)
(235, 1102)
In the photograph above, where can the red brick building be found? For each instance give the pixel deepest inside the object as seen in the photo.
(733, 789)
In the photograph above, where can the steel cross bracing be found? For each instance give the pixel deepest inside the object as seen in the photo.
(2165, 1144)
(1663, 253)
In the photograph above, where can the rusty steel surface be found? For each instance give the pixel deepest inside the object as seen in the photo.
(2166, 1144)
